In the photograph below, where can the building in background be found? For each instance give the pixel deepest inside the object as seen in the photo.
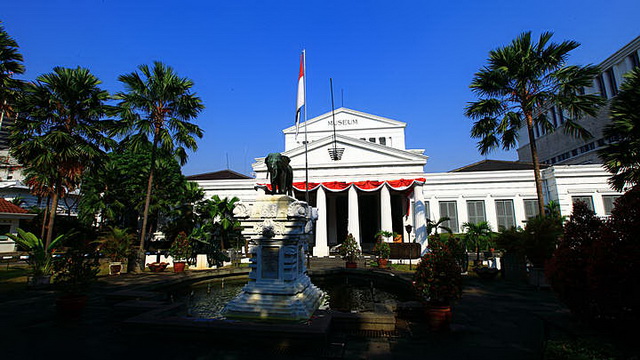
(559, 148)
(363, 179)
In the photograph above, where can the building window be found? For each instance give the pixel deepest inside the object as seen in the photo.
(4, 229)
(609, 203)
(585, 199)
(448, 209)
(373, 140)
(427, 209)
(363, 139)
(554, 119)
(475, 210)
(505, 214)
(531, 208)
(635, 61)
(612, 82)
(382, 141)
(601, 88)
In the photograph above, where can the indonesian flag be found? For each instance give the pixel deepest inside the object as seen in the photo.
(300, 100)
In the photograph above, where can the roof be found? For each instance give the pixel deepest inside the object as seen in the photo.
(9, 208)
(497, 165)
(219, 175)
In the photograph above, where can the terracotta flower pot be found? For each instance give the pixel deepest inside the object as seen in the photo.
(115, 268)
(439, 317)
(383, 263)
(178, 266)
(71, 305)
(352, 265)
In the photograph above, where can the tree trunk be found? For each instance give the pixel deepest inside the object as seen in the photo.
(147, 202)
(52, 217)
(536, 163)
(44, 219)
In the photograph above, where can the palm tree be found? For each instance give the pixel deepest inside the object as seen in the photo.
(434, 226)
(10, 64)
(158, 104)
(475, 233)
(516, 88)
(622, 158)
(58, 136)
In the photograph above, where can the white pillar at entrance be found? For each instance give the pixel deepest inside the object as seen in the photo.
(321, 248)
(353, 226)
(420, 217)
(386, 223)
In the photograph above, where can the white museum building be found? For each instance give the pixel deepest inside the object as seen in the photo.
(362, 179)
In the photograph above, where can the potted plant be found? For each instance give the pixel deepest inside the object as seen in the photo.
(383, 250)
(540, 237)
(350, 252)
(157, 266)
(116, 245)
(40, 259)
(180, 251)
(438, 281)
(75, 271)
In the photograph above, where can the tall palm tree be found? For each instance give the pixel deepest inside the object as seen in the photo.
(519, 83)
(59, 133)
(622, 158)
(157, 106)
(10, 64)
(475, 233)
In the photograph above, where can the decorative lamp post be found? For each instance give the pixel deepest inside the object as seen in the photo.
(408, 227)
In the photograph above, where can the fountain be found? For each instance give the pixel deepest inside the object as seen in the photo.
(279, 288)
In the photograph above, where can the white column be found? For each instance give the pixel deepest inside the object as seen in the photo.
(386, 223)
(420, 217)
(332, 229)
(321, 248)
(490, 212)
(353, 226)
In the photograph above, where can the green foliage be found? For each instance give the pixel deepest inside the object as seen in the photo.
(594, 270)
(181, 249)
(59, 135)
(216, 228)
(519, 82)
(438, 275)
(540, 238)
(11, 63)
(477, 235)
(566, 270)
(116, 244)
(580, 349)
(39, 255)
(382, 248)
(117, 191)
(157, 104)
(76, 270)
(511, 240)
(434, 226)
(349, 249)
(622, 158)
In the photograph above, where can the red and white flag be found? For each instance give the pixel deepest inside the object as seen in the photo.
(300, 99)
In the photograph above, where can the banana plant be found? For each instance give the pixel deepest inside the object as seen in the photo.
(40, 257)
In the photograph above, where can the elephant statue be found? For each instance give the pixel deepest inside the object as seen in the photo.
(281, 173)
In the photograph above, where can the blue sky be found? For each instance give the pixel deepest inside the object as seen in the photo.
(407, 60)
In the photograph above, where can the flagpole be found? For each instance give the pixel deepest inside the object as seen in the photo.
(306, 159)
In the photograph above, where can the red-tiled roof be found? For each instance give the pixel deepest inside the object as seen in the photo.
(219, 175)
(7, 207)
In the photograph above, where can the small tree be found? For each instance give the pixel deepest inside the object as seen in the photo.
(475, 234)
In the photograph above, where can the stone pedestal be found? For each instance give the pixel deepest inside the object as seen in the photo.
(279, 288)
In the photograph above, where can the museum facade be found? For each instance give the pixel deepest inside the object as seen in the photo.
(362, 179)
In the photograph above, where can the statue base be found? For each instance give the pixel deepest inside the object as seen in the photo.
(279, 288)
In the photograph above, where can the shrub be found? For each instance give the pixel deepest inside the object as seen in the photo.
(349, 249)
(595, 268)
(181, 248)
(566, 270)
(540, 238)
(437, 276)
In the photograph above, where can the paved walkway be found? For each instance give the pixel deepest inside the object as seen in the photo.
(493, 320)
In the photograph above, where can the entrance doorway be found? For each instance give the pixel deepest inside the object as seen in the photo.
(369, 214)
